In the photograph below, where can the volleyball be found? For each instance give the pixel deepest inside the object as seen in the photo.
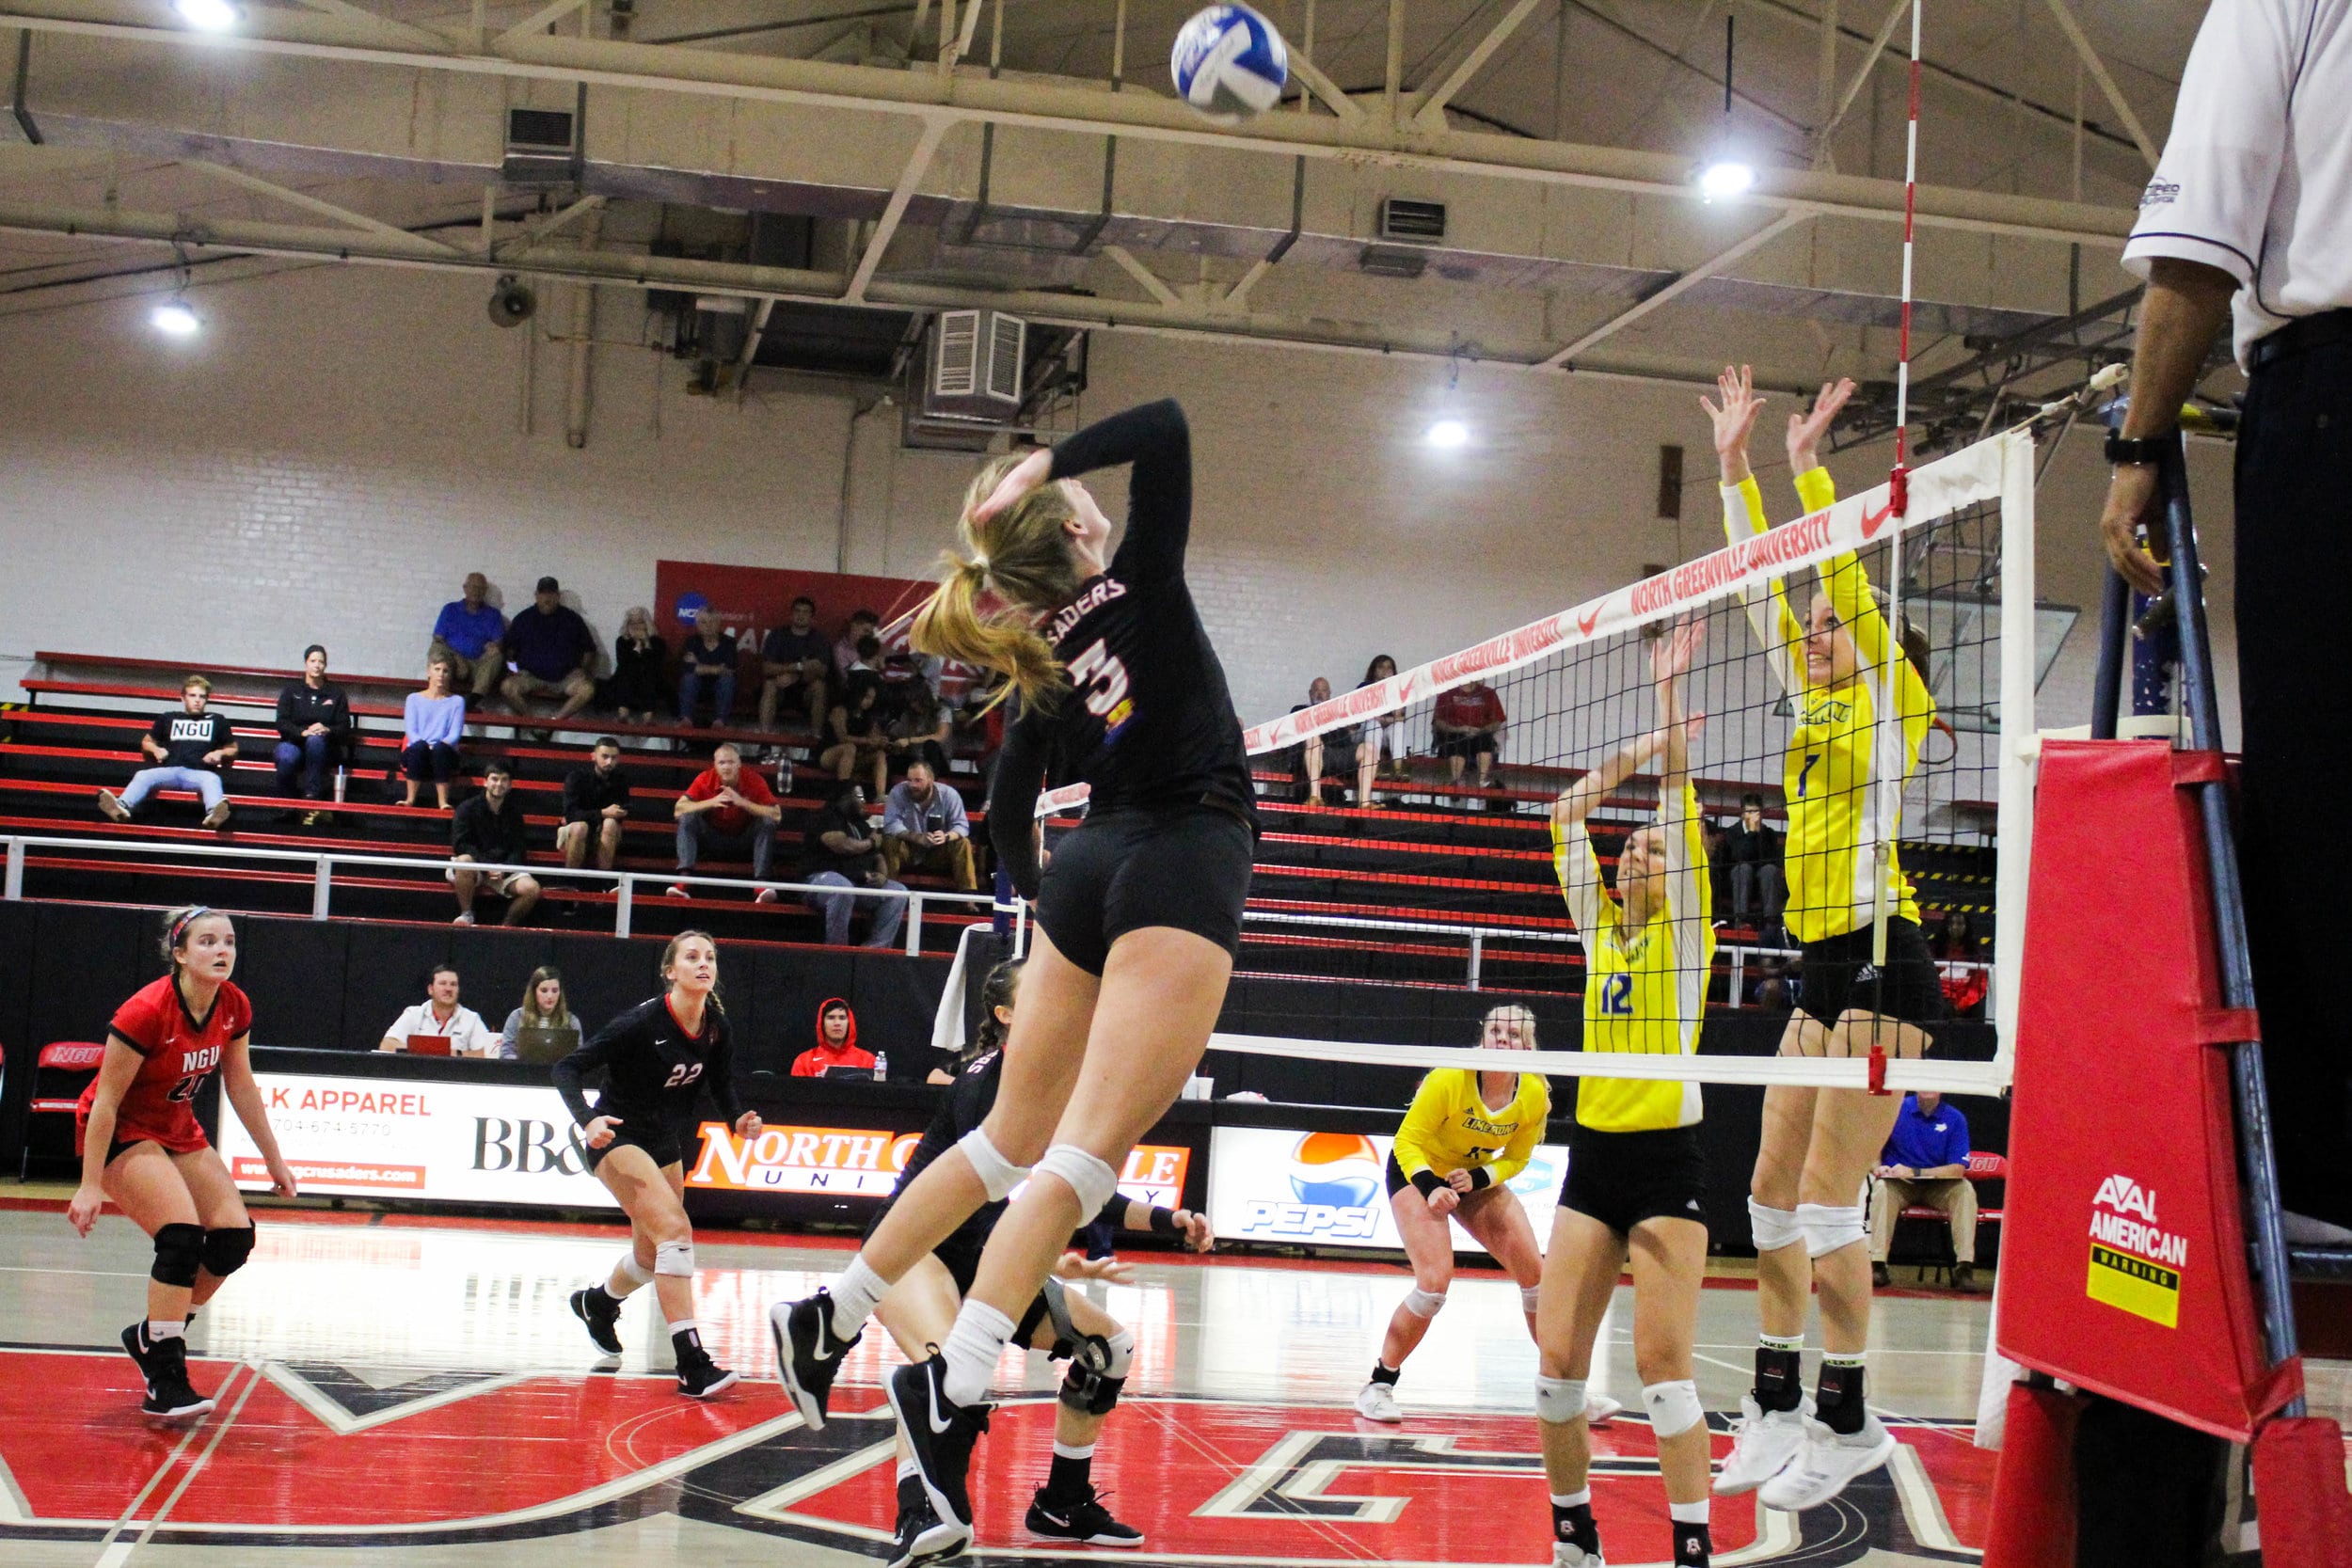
(1229, 63)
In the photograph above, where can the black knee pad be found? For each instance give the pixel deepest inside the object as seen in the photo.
(1085, 1388)
(226, 1249)
(178, 1253)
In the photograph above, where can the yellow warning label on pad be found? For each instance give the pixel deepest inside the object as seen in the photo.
(2134, 1285)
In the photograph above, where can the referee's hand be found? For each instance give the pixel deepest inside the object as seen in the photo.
(2130, 501)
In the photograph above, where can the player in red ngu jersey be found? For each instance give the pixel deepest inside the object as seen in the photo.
(141, 1146)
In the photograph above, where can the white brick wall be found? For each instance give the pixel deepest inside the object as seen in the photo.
(341, 446)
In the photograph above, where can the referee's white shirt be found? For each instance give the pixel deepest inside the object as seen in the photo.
(2257, 177)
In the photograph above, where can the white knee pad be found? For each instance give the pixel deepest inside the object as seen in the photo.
(629, 1268)
(1829, 1226)
(1123, 1349)
(1424, 1304)
(998, 1176)
(1559, 1399)
(1088, 1177)
(1528, 1296)
(674, 1259)
(1774, 1228)
(1674, 1407)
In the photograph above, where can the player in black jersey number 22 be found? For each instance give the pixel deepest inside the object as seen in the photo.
(657, 1059)
(1138, 917)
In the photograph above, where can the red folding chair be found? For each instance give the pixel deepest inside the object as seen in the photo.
(62, 1071)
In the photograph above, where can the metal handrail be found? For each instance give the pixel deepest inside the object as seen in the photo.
(322, 863)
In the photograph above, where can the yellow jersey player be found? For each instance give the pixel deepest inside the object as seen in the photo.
(1637, 1175)
(1863, 709)
(1466, 1135)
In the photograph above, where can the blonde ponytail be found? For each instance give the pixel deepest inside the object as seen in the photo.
(1022, 554)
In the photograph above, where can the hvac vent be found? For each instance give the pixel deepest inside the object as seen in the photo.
(975, 366)
(1386, 261)
(1412, 222)
(539, 147)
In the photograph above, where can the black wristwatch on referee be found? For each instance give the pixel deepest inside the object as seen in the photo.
(2139, 451)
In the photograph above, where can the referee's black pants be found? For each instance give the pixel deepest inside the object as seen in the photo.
(2295, 697)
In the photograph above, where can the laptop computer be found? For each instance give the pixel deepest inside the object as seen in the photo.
(428, 1045)
(543, 1044)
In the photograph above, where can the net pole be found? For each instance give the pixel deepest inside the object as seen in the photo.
(2014, 817)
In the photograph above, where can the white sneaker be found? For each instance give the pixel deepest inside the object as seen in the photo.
(1762, 1446)
(1568, 1554)
(1599, 1410)
(1377, 1402)
(1825, 1464)
(465, 917)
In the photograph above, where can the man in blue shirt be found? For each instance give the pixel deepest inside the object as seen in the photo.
(550, 648)
(1925, 1165)
(469, 638)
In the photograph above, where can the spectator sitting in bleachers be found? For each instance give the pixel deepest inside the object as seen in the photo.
(1752, 855)
(863, 624)
(545, 1006)
(924, 827)
(638, 676)
(843, 848)
(1925, 1163)
(489, 828)
(190, 750)
(919, 730)
(728, 808)
(859, 736)
(1960, 961)
(836, 1048)
(1468, 724)
(707, 660)
(432, 721)
(595, 807)
(439, 1014)
(550, 648)
(795, 660)
(313, 727)
(1376, 735)
(470, 637)
(1310, 769)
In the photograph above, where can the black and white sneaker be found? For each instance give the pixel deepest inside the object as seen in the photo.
(923, 1539)
(700, 1377)
(597, 1310)
(808, 1352)
(170, 1395)
(135, 1344)
(1084, 1519)
(941, 1434)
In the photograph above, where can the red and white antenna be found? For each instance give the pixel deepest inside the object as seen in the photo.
(1898, 482)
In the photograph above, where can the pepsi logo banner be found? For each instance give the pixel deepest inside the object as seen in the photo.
(1330, 1189)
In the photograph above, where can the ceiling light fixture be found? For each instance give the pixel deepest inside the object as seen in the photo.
(1725, 178)
(211, 16)
(174, 318)
(1447, 433)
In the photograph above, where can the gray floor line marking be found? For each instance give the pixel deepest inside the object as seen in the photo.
(108, 1555)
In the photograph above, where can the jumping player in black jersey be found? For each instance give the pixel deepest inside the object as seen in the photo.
(657, 1058)
(1139, 918)
(920, 1311)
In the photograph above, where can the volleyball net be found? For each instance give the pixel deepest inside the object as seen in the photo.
(1436, 898)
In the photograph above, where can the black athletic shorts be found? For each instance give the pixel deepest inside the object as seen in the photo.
(1837, 975)
(658, 1138)
(1622, 1179)
(1186, 866)
(1468, 747)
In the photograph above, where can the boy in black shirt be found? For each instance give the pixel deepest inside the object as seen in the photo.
(596, 804)
(489, 828)
(843, 848)
(190, 750)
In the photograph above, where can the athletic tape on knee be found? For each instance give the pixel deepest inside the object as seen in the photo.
(674, 1259)
(629, 1268)
(1559, 1399)
(178, 1253)
(998, 1176)
(1424, 1304)
(1088, 1177)
(1674, 1407)
(1529, 1296)
(227, 1248)
(1772, 1229)
(1829, 1226)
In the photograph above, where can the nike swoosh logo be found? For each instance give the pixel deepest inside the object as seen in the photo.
(1053, 1518)
(1873, 521)
(939, 1423)
(1586, 623)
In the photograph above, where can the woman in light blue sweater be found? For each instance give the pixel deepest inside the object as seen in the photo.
(436, 721)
